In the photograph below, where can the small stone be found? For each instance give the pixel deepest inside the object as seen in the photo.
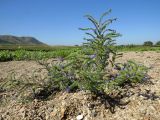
(62, 112)
(79, 117)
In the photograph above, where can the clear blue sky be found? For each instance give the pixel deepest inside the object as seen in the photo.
(56, 22)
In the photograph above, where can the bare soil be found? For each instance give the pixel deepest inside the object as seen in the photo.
(21, 68)
(144, 99)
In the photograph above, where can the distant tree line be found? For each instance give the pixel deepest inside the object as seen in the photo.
(150, 43)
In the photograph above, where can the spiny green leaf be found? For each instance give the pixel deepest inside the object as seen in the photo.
(104, 14)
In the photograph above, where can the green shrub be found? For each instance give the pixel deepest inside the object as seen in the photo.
(86, 69)
(157, 43)
(89, 68)
(148, 43)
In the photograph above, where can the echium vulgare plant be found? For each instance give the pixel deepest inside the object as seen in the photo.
(86, 69)
(101, 40)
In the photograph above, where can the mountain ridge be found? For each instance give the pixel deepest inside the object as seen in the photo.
(15, 40)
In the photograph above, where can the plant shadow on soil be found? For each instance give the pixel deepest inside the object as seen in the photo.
(110, 101)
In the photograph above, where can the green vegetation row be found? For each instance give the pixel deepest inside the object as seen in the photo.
(58, 51)
(35, 47)
(137, 48)
(6, 55)
(57, 48)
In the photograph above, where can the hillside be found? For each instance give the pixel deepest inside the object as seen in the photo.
(9, 39)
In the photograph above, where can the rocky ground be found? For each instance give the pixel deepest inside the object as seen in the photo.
(144, 99)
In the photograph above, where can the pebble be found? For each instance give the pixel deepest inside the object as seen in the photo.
(79, 117)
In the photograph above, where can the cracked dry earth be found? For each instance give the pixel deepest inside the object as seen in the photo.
(144, 99)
